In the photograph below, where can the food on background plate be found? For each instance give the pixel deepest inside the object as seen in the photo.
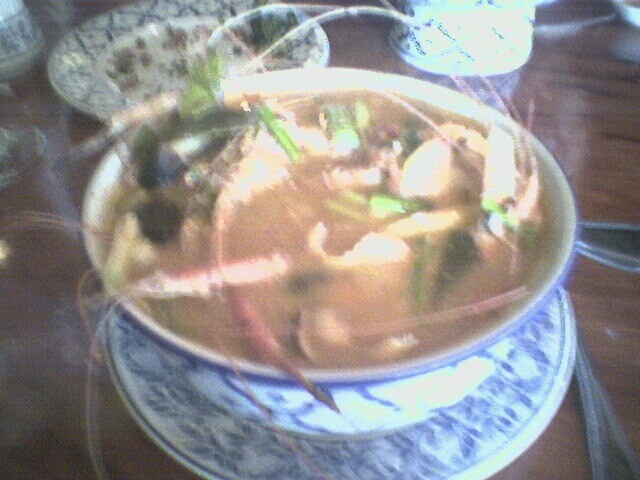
(169, 50)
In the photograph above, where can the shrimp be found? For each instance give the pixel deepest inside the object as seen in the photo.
(264, 344)
(527, 207)
(201, 281)
(500, 170)
(372, 249)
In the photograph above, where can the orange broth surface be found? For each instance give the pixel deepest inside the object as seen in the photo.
(348, 296)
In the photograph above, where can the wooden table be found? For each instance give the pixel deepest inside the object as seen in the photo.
(586, 111)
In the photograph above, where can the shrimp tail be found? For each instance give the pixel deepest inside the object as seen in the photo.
(265, 345)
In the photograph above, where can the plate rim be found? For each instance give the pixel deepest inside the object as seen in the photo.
(496, 461)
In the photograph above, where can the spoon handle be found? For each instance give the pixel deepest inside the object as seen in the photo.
(616, 245)
(612, 457)
(611, 454)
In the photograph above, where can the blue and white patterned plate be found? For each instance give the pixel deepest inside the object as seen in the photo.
(471, 439)
(133, 52)
(466, 37)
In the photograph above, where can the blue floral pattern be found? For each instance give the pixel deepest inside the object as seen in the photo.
(471, 438)
(19, 35)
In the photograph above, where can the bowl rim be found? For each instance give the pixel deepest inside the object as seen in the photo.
(336, 79)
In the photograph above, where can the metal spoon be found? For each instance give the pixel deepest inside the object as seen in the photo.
(610, 453)
(615, 245)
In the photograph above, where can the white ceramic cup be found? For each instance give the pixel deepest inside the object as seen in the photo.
(465, 37)
(21, 40)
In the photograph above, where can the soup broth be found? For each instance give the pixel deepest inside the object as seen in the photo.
(385, 232)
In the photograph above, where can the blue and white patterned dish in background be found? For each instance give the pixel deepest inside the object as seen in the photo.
(81, 67)
(472, 438)
(629, 11)
(465, 37)
(21, 40)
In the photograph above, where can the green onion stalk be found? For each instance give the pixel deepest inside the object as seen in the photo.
(276, 127)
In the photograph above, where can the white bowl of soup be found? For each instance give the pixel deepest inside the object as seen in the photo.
(340, 278)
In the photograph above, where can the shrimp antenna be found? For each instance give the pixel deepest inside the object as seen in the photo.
(28, 221)
(282, 435)
(90, 282)
(92, 400)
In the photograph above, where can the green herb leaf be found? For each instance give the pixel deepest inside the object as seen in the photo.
(410, 138)
(347, 210)
(277, 129)
(491, 206)
(359, 206)
(382, 204)
(350, 204)
(144, 153)
(341, 127)
(354, 198)
(203, 86)
(460, 254)
(418, 276)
